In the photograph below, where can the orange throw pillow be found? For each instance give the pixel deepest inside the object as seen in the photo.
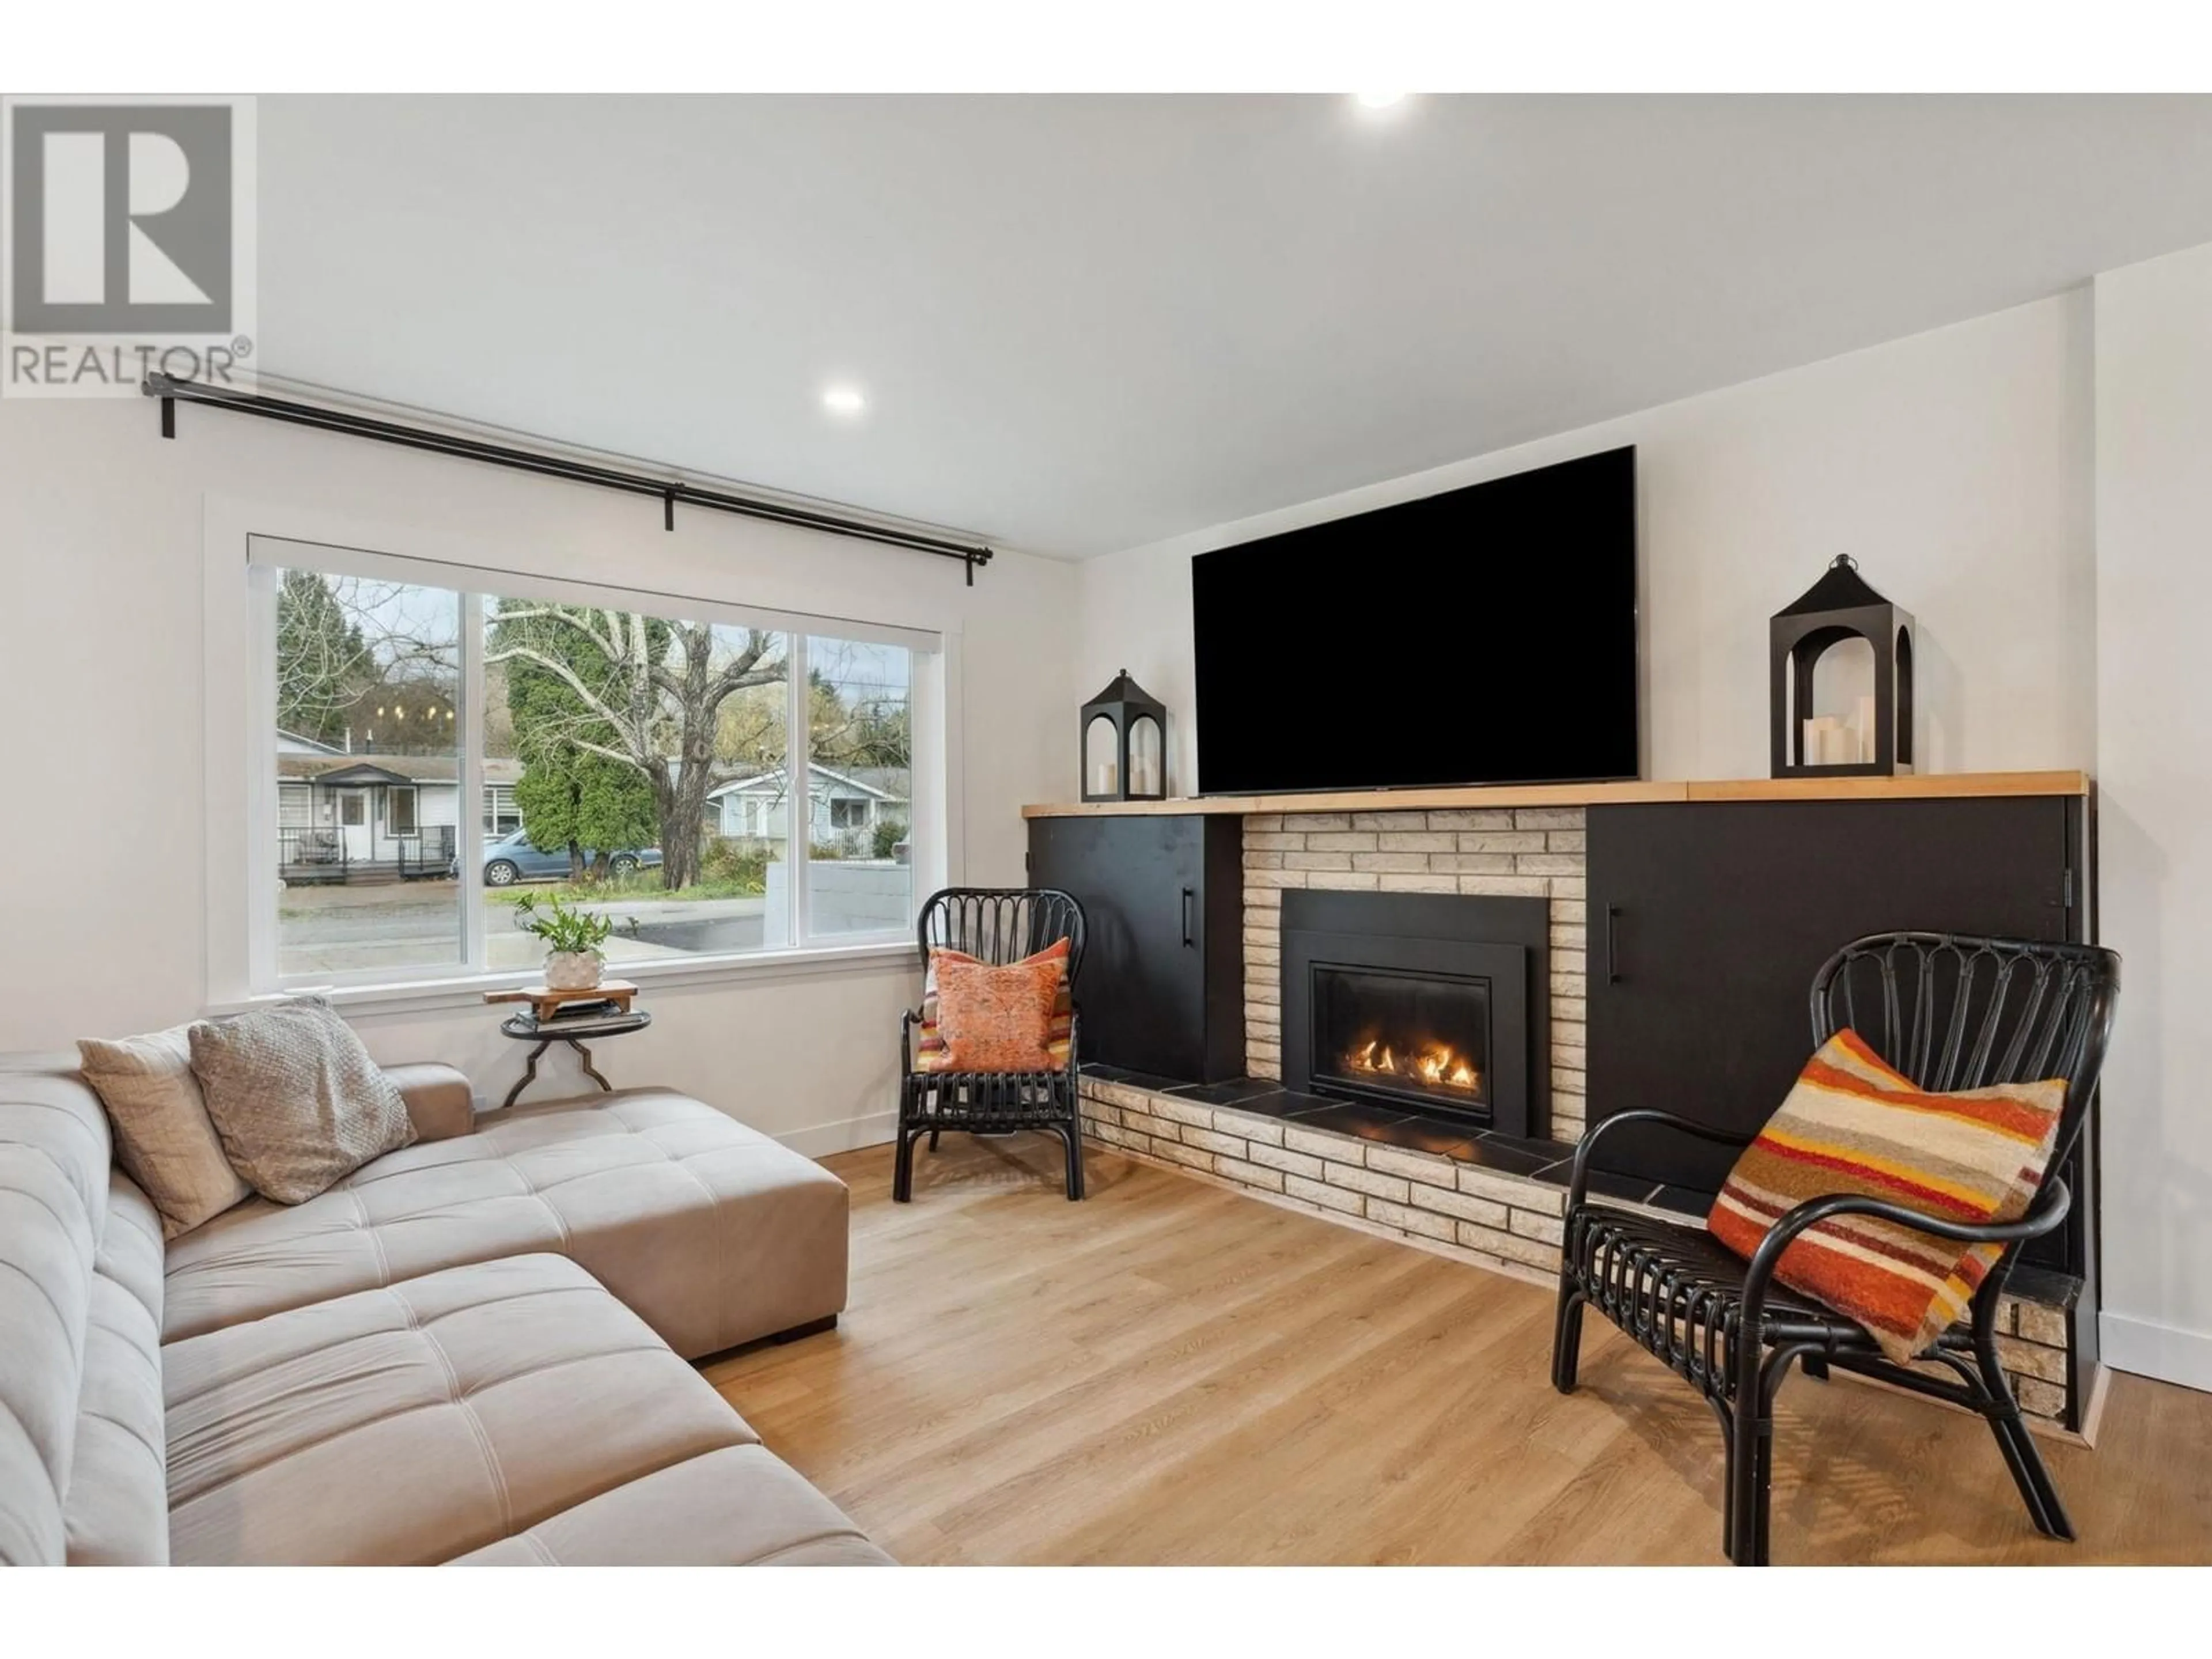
(1854, 1124)
(998, 1019)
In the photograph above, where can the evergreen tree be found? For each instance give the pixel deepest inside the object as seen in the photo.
(571, 793)
(592, 806)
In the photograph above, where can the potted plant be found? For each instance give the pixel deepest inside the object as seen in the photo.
(573, 937)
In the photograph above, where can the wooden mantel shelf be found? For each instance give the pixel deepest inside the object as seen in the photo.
(1948, 786)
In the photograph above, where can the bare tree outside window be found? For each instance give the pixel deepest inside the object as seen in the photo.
(646, 693)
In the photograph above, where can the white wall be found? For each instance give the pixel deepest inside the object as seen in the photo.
(2155, 763)
(1954, 466)
(102, 836)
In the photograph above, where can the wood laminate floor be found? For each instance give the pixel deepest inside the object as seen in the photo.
(1169, 1372)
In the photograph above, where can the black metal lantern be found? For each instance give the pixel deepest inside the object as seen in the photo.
(1875, 739)
(1124, 743)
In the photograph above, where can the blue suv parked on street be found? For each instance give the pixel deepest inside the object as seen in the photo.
(512, 858)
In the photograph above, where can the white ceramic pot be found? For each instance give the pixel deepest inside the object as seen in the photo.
(573, 970)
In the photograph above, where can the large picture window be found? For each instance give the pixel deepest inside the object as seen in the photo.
(667, 765)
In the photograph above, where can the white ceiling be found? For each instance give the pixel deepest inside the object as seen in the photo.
(1087, 324)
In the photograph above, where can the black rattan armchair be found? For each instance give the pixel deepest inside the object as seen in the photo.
(998, 925)
(1951, 1012)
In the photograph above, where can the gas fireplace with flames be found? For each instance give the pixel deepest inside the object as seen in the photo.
(1429, 1003)
(1423, 1037)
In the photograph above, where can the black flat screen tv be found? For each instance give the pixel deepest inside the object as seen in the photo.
(1484, 635)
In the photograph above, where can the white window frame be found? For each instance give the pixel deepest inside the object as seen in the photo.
(241, 614)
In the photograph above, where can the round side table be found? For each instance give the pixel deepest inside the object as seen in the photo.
(526, 1028)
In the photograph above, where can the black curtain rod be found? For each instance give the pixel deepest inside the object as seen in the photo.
(171, 392)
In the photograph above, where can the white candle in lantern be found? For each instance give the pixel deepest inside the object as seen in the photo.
(1102, 778)
(1866, 733)
(1821, 748)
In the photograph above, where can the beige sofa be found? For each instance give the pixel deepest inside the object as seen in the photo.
(470, 1351)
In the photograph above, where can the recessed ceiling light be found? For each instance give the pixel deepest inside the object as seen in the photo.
(846, 400)
(1378, 99)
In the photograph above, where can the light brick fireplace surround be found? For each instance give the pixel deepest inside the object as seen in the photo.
(1506, 852)
(1503, 1222)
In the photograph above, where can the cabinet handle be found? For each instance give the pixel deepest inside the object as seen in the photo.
(1188, 894)
(1611, 944)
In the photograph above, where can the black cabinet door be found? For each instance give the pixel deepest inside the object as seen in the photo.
(1142, 879)
(1708, 921)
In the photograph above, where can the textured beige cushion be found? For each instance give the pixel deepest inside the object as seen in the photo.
(713, 1233)
(163, 1135)
(413, 1424)
(738, 1507)
(295, 1097)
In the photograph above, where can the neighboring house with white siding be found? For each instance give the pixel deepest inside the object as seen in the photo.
(845, 806)
(342, 817)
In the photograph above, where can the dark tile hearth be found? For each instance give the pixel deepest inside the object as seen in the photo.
(1368, 1122)
(1509, 1155)
(1147, 1080)
(1552, 1151)
(1276, 1101)
(1549, 1161)
(1239, 1092)
(1438, 1135)
(2053, 1289)
(1481, 1148)
(1603, 1183)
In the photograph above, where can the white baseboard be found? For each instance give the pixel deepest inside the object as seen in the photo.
(2148, 1349)
(820, 1139)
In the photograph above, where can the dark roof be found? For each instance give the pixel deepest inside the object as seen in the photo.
(342, 769)
(1841, 588)
(362, 772)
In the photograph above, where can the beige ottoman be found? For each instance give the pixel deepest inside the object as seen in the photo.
(711, 1232)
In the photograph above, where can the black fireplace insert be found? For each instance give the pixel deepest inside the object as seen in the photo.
(1429, 1003)
(1424, 1038)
